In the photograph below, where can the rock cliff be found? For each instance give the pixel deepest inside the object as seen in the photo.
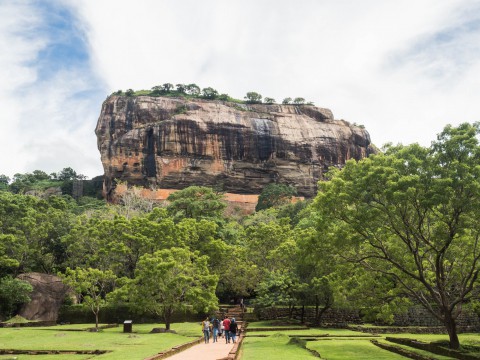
(175, 142)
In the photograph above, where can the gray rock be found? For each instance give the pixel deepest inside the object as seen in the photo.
(47, 297)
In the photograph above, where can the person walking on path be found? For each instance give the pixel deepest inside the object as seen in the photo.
(233, 330)
(215, 326)
(226, 327)
(206, 330)
(222, 329)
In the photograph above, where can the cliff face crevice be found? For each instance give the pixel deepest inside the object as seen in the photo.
(174, 143)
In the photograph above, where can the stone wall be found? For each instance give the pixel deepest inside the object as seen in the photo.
(416, 316)
(331, 316)
(419, 316)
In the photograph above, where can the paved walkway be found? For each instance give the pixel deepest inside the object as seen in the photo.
(202, 351)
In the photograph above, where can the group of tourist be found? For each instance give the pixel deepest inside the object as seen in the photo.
(227, 328)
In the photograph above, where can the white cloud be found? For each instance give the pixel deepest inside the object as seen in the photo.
(45, 121)
(404, 69)
(358, 58)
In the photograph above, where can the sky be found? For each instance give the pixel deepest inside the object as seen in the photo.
(403, 69)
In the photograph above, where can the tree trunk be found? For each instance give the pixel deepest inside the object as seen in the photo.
(167, 316)
(96, 320)
(451, 326)
(317, 306)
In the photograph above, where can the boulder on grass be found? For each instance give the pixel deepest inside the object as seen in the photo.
(47, 296)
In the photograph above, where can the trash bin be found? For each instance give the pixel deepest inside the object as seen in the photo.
(127, 326)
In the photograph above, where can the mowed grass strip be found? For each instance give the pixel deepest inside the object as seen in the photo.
(361, 349)
(137, 345)
(276, 347)
(309, 332)
(416, 351)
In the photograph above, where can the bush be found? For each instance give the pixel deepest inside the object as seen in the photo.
(79, 314)
(13, 294)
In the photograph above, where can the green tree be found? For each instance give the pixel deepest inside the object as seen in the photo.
(181, 88)
(4, 181)
(167, 87)
(170, 280)
(69, 174)
(253, 98)
(315, 263)
(278, 288)
(275, 195)
(209, 93)
(287, 101)
(13, 294)
(269, 100)
(411, 214)
(31, 231)
(196, 202)
(129, 92)
(93, 285)
(193, 89)
(299, 101)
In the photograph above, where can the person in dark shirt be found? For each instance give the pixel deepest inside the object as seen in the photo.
(233, 330)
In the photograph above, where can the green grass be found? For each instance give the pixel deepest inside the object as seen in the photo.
(274, 323)
(416, 351)
(310, 332)
(341, 344)
(137, 345)
(274, 347)
(350, 349)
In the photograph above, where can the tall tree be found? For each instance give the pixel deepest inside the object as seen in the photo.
(209, 93)
(253, 98)
(411, 214)
(170, 280)
(93, 285)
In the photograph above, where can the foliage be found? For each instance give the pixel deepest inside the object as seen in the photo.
(193, 89)
(30, 232)
(279, 288)
(269, 100)
(209, 93)
(92, 284)
(275, 195)
(411, 215)
(253, 98)
(287, 101)
(13, 294)
(170, 280)
(299, 101)
(196, 202)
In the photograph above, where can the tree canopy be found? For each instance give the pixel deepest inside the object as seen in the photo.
(411, 215)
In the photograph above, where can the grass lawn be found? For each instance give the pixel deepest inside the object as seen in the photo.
(137, 345)
(274, 323)
(273, 347)
(311, 332)
(350, 349)
(340, 344)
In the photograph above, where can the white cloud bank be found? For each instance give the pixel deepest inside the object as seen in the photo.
(404, 69)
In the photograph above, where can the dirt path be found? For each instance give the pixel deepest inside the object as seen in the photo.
(202, 351)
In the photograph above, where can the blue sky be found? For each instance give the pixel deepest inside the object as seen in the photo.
(403, 69)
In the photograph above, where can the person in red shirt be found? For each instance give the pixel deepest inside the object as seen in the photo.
(226, 326)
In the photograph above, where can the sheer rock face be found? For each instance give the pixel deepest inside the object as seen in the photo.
(174, 143)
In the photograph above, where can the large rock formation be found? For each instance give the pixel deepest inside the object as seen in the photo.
(47, 297)
(174, 143)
